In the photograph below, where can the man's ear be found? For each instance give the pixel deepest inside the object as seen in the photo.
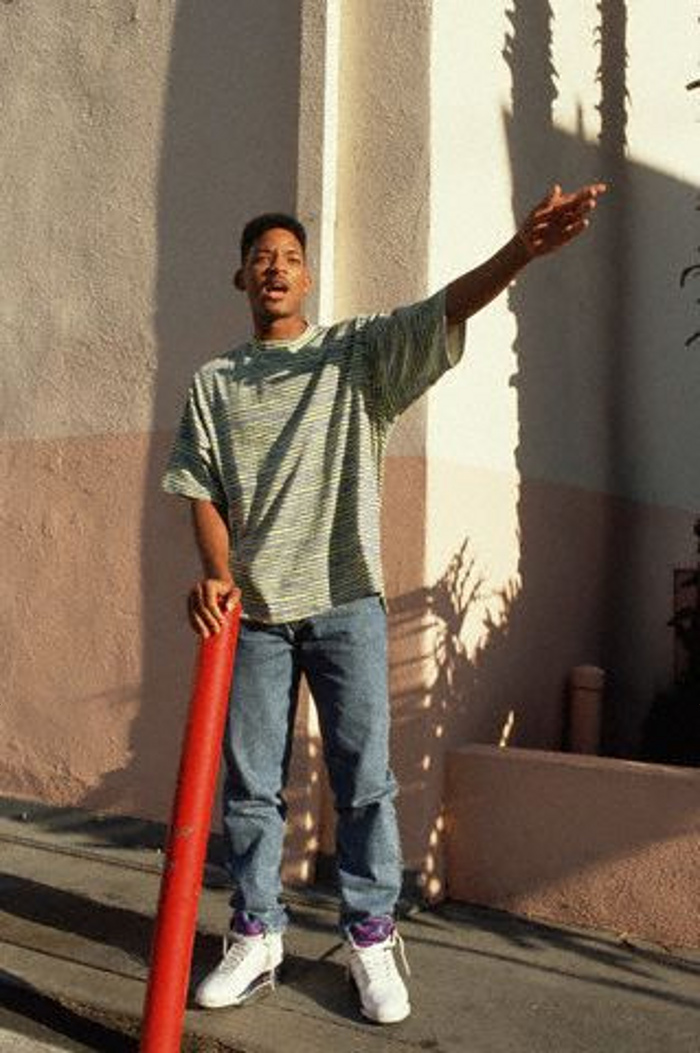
(238, 280)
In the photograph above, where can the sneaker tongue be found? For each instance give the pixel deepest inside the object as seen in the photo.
(372, 930)
(247, 926)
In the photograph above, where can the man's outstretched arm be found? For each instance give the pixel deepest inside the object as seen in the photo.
(557, 220)
(217, 585)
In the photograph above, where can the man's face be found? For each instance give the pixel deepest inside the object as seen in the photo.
(275, 276)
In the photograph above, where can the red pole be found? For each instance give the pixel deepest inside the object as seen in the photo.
(171, 953)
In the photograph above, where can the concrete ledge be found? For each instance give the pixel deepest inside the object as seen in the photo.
(578, 840)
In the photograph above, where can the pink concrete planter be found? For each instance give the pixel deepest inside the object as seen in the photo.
(578, 840)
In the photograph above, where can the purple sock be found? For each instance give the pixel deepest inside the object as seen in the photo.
(372, 930)
(244, 925)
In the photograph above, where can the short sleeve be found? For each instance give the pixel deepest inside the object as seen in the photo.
(407, 351)
(192, 468)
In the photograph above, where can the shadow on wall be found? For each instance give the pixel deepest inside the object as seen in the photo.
(427, 625)
(612, 410)
(594, 570)
(564, 403)
(229, 150)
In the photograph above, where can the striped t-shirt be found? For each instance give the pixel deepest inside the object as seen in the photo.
(289, 438)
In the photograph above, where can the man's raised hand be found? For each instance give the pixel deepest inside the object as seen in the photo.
(558, 219)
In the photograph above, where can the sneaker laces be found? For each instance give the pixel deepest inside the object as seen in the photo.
(378, 959)
(236, 950)
(402, 953)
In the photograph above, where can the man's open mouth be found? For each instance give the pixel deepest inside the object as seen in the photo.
(275, 288)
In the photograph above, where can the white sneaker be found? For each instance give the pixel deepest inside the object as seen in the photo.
(249, 964)
(383, 994)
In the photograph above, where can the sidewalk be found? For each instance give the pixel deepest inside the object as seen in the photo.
(77, 908)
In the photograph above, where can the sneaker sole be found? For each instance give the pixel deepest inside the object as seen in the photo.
(260, 987)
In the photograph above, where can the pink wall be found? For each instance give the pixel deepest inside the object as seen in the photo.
(576, 840)
(90, 717)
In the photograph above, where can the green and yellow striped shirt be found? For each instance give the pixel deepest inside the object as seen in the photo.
(289, 438)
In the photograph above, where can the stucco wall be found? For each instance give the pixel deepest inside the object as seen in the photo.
(138, 137)
(535, 502)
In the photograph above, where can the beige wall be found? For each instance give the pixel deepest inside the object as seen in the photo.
(535, 502)
(578, 380)
(561, 490)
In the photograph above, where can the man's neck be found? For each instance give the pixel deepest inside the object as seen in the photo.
(279, 328)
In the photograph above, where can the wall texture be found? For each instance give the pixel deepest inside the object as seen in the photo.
(138, 139)
(586, 841)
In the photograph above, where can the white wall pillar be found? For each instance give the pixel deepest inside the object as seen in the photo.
(318, 145)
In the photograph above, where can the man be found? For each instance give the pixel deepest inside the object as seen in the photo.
(280, 452)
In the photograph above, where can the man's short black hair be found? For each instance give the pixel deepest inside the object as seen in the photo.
(257, 226)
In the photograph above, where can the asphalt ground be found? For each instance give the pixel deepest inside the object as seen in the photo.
(78, 904)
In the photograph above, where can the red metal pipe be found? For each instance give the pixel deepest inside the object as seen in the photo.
(173, 939)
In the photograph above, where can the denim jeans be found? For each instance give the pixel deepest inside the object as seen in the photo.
(343, 655)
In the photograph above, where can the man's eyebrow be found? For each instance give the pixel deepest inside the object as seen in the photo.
(288, 250)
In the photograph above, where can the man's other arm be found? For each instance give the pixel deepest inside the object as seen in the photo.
(216, 592)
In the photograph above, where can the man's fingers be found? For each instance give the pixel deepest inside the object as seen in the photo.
(222, 599)
(556, 201)
(547, 201)
(213, 593)
(194, 617)
(201, 619)
(198, 625)
(233, 598)
(230, 596)
(207, 603)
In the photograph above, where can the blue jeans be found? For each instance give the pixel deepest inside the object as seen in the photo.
(343, 655)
